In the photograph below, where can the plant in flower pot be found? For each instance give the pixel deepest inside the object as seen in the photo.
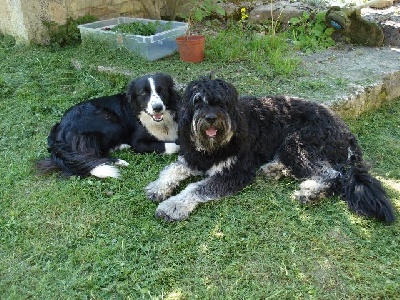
(191, 46)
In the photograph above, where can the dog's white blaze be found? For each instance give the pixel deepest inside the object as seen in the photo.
(154, 98)
(165, 130)
(104, 171)
(219, 168)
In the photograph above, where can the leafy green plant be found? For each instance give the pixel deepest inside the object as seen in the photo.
(140, 28)
(197, 11)
(311, 34)
(68, 33)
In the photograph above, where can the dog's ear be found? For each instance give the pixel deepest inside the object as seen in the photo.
(168, 79)
(186, 112)
(131, 95)
(185, 120)
(189, 91)
(233, 91)
(130, 90)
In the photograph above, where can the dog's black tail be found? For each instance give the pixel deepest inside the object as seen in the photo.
(69, 163)
(82, 161)
(365, 194)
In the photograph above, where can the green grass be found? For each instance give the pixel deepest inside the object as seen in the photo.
(99, 239)
(270, 55)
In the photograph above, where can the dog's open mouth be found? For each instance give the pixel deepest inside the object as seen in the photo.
(211, 132)
(158, 117)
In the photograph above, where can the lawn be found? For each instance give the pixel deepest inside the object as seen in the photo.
(98, 239)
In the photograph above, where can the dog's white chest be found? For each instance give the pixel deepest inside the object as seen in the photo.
(166, 130)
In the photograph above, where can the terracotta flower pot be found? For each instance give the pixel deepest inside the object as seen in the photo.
(191, 47)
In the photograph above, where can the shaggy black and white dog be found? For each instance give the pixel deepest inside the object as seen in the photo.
(228, 139)
(144, 118)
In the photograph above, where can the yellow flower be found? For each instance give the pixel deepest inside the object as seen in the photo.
(243, 14)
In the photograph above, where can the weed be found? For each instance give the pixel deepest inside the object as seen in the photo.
(269, 54)
(311, 34)
(197, 11)
(68, 33)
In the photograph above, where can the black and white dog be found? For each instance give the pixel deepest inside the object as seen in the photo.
(228, 139)
(144, 118)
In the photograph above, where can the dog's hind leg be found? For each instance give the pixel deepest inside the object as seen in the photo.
(322, 184)
(275, 169)
(311, 189)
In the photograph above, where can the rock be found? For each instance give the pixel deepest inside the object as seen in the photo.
(388, 19)
(382, 4)
(282, 11)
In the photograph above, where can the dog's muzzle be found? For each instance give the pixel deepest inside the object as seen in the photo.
(158, 112)
(211, 131)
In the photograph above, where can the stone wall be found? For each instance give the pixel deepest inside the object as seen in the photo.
(24, 18)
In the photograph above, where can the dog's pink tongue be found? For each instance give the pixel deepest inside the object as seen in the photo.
(157, 117)
(211, 132)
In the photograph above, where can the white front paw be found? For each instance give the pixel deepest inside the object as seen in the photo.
(171, 148)
(157, 192)
(121, 163)
(121, 147)
(175, 209)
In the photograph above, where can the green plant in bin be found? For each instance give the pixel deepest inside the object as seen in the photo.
(141, 28)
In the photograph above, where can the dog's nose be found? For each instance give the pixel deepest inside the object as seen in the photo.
(157, 107)
(211, 117)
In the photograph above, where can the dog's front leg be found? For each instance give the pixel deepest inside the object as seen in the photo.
(180, 206)
(168, 180)
(161, 147)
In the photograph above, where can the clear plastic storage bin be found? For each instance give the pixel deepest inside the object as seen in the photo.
(151, 47)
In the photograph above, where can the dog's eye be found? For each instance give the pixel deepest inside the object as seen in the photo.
(197, 99)
(161, 91)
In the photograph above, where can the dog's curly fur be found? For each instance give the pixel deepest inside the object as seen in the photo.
(228, 139)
